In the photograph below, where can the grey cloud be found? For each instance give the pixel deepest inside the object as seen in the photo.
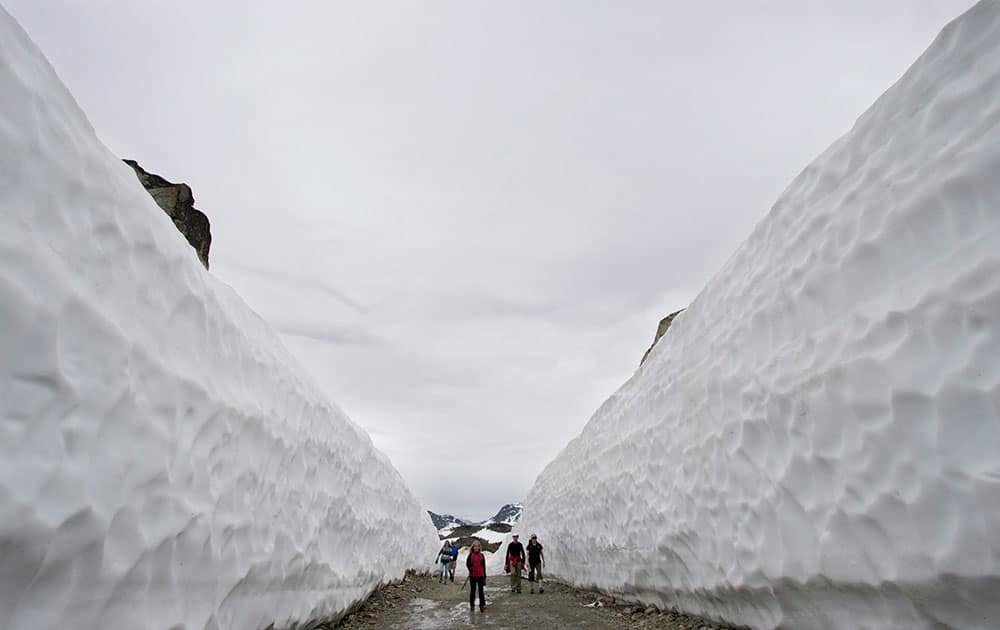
(326, 334)
(301, 281)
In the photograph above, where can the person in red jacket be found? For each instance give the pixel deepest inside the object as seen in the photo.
(476, 564)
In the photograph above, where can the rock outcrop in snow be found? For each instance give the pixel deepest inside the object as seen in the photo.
(177, 201)
(816, 442)
(164, 463)
(661, 329)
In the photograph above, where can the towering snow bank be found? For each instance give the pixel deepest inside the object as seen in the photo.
(163, 462)
(816, 441)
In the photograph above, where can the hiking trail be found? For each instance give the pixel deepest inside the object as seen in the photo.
(421, 603)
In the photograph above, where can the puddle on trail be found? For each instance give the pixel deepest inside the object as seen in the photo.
(427, 614)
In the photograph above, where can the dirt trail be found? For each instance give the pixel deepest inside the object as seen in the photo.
(421, 603)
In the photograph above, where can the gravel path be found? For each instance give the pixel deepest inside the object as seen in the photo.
(421, 603)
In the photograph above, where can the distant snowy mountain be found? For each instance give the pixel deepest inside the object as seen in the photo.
(490, 532)
(815, 442)
(509, 514)
(447, 521)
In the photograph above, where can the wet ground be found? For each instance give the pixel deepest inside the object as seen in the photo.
(421, 603)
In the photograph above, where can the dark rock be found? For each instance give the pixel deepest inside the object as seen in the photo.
(178, 202)
(466, 541)
(660, 330)
(464, 530)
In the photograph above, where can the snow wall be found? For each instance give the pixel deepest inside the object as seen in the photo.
(164, 463)
(815, 443)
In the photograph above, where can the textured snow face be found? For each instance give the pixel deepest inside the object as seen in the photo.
(815, 443)
(163, 462)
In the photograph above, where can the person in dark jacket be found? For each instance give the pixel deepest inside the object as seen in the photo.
(444, 559)
(476, 564)
(536, 560)
(514, 563)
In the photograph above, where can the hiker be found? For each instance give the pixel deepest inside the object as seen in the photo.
(536, 560)
(444, 558)
(454, 560)
(476, 564)
(514, 563)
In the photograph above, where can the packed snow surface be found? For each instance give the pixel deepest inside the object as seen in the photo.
(163, 461)
(815, 443)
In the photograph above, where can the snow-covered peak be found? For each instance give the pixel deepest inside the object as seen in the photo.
(446, 521)
(508, 514)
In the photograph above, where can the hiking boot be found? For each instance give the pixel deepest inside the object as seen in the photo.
(482, 607)
(453, 578)
(541, 590)
(532, 591)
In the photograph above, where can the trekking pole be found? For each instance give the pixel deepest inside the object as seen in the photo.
(462, 587)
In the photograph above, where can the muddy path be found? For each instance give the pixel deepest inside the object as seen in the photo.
(421, 603)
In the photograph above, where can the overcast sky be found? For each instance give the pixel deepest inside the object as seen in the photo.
(466, 218)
